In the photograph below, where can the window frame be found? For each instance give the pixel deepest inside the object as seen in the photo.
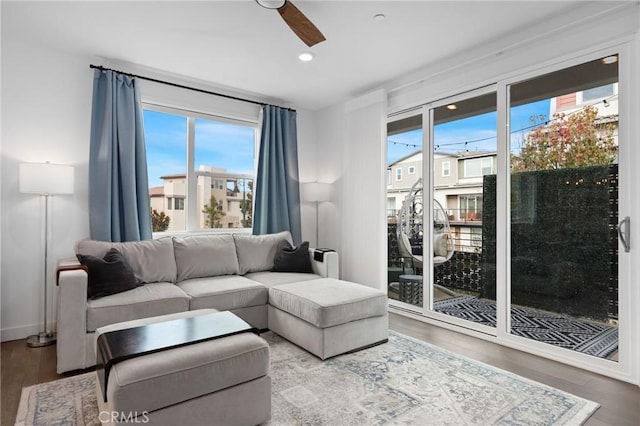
(192, 175)
(447, 168)
(398, 174)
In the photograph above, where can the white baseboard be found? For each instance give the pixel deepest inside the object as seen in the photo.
(22, 332)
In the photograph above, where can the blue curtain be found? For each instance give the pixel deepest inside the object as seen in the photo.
(277, 202)
(119, 205)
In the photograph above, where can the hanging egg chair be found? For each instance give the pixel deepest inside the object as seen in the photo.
(410, 229)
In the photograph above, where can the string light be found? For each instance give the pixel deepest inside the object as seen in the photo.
(605, 102)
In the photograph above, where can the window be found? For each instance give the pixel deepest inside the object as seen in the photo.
(597, 93)
(471, 207)
(478, 167)
(388, 177)
(476, 237)
(398, 174)
(215, 190)
(179, 203)
(446, 168)
(412, 170)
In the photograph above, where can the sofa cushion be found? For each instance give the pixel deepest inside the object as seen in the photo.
(292, 259)
(205, 256)
(151, 260)
(270, 279)
(256, 252)
(141, 302)
(224, 292)
(327, 302)
(108, 275)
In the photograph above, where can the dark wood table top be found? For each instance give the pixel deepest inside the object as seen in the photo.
(119, 345)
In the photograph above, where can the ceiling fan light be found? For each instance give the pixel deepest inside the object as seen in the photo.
(271, 4)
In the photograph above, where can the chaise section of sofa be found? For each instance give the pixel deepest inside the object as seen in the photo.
(175, 274)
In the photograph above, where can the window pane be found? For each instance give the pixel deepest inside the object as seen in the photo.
(404, 149)
(564, 206)
(224, 159)
(166, 144)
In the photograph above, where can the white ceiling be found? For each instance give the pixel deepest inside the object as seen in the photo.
(242, 45)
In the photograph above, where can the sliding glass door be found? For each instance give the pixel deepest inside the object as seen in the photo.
(564, 208)
(504, 213)
(463, 169)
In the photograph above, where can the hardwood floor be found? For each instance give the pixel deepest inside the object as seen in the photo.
(620, 402)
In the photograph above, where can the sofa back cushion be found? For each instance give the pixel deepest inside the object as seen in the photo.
(151, 260)
(201, 256)
(256, 252)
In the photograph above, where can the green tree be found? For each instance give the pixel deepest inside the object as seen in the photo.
(569, 140)
(246, 207)
(159, 221)
(214, 213)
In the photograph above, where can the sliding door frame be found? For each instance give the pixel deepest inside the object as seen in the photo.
(627, 367)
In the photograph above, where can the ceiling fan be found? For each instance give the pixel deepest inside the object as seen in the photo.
(299, 24)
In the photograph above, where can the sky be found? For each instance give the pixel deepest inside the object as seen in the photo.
(217, 144)
(232, 146)
(477, 133)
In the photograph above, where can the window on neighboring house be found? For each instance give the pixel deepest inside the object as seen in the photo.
(598, 93)
(446, 168)
(476, 237)
(388, 177)
(398, 174)
(471, 207)
(411, 170)
(223, 150)
(478, 167)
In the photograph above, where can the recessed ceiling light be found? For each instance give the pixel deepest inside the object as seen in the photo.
(305, 56)
(379, 17)
(271, 4)
(610, 60)
(452, 106)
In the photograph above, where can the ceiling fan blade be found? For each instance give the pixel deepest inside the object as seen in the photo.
(300, 25)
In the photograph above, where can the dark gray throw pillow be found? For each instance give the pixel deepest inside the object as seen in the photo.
(292, 259)
(110, 275)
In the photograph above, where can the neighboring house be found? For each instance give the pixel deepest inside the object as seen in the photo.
(228, 189)
(457, 187)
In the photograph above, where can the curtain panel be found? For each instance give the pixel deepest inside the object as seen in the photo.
(277, 202)
(119, 204)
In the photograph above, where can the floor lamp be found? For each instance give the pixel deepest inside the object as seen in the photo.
(316, 192)
(46, 180)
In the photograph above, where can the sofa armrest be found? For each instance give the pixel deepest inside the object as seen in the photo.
(328, 267)
(71, 315)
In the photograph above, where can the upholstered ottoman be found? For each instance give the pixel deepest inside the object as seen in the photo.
(222, 381)
(329, 317)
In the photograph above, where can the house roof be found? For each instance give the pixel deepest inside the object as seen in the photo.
(156, 191)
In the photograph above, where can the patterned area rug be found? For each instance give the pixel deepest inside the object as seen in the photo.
(565, 331)
(403, 382)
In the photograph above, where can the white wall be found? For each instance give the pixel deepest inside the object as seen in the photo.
(46, 113)
(307, 170)
(350, 156)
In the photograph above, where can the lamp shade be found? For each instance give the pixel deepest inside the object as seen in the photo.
(46, 179)
(316, 191)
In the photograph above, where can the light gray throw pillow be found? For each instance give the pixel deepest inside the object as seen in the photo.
(201, 256)
(256, 252)
(151, 260)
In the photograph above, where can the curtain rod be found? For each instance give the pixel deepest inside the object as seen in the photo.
(195, 89)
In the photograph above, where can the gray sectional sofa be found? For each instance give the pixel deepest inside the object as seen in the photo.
(227, 272)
